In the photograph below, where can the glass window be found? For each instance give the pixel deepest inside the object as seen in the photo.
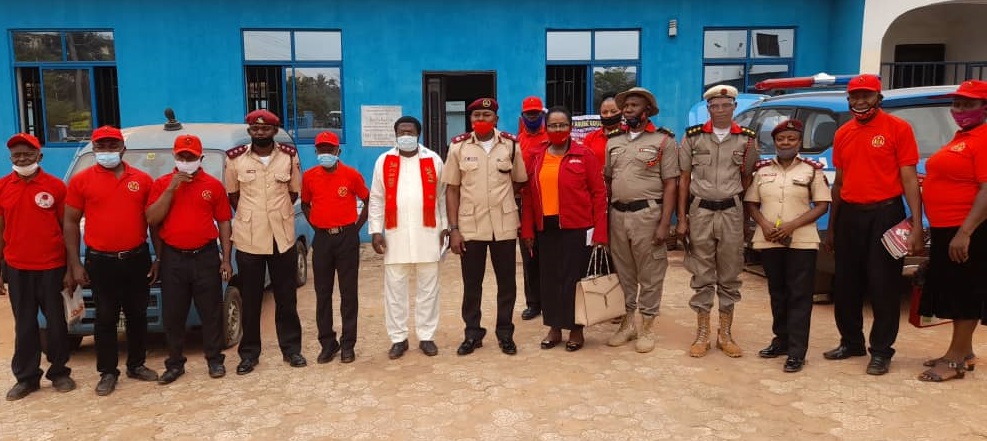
(266, 45)
(761, 53)
(68, 104)
(315, 95)
(725, 44)
(90, 46)
(765, 122)
(724, 74)
(318, 46)
(37, 46)
(569, 46)
(933, 126)
(616, 45)
(820, 128)
(773, 43)
(609, 81)
(592, 73)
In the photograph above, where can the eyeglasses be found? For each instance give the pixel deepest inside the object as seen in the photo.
(557, 126)
(29, 155)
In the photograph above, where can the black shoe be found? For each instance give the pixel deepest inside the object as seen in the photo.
(142, 373)
(878, 365)
(469, 345)
(327, 354)
(295, 360)
(773, 350)
(170, 375)
(530, 313)
(397, 350)
(508, 347)
(347, 356)
(246, 366)
(428, 347)
(217, 370)
(843, 352)
(107, 384)
(21, 390)
(64, 383)
(793, 364)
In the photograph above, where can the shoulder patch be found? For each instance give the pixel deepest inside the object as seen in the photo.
(694, 130)
(762, 163)
(508, 136)
(666, 131)
(615, 132)
(288, 148)
(460, 138)
(748, 131)
(815, 164)
(234, 152)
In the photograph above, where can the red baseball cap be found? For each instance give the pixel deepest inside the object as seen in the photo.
(188, 143)
(531, 104)
(107, 132)
(262, 116)
(327, 138)
(974, 89)
(24, 138)
(869, 82)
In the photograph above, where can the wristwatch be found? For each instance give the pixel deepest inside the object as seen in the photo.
(453, 227)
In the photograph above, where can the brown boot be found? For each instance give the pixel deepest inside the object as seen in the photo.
(701, 345)
(646, 338)
(724, 338)
(626, 332)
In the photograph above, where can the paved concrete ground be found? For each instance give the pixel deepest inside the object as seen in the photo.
(596, 393)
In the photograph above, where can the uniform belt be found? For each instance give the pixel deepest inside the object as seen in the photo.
(206, 247)
(717, 205)
(874, 205)
(336, 230)
(632, 206)
(119, 255)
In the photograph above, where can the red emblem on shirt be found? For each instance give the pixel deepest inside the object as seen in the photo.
(341, 191)
(877, 141)
(958, 147)
(207, 195)
(44, 199)
(133, 186)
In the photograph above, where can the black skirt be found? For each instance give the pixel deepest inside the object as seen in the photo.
(562, 258)
(956, 290)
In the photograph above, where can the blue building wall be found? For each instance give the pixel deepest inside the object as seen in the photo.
(188, 54)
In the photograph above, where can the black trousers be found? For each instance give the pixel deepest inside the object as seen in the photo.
(336, 255)
(532, 276)
(474, 263)
(282, 267)
(566, 257)
(120, 284)
(864, 267)
(791, 278)
(188, 277)
(30, 291)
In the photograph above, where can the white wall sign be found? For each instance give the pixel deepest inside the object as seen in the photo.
(377, 125)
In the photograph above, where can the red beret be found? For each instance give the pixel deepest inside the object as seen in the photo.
(327, 138)
(107, 132)
(483, 104)
(24, 138)
(787, 125)
(188, 143)
(262, 116)
(868, 82)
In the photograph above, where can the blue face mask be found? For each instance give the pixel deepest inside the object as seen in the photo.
(327, 160)
(533, 126)
(108, 159)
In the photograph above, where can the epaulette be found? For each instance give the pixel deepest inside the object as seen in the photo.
(748, 131)
(460, 138)
(762, 163)
(234, 152)
(815, 164)
(508, 136)
(615, 132)
(694, 130)
(288, 148)
(666, 131)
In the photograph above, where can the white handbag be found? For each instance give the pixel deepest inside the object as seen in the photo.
(599, 297)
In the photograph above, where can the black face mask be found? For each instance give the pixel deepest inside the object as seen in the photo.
(634, 121)
(262, 142)
(610, 120)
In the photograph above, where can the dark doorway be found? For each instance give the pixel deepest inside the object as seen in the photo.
(919, 65)
(444, 101)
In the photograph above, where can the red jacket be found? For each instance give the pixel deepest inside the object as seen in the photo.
(582, 194)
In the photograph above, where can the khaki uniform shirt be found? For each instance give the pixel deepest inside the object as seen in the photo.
(265, 213)
(487, 210)
(716, 165)
(638, 167)
(785, 194)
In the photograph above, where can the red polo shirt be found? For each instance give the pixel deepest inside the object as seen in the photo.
(333, 195)
(196, 206)
(871, 155)
(113, 208)
(32, 212)
(953, 178)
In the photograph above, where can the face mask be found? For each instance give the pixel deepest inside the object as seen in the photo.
(787, 154)
(407, 143)
(483, 128)
(533, 126)
(969, 118)
(864, 115)
(188, 166)
(558, 138)
(108, 159)
(327, 160)
(26, 170)
(610, 121)
(634, 121)
(262, 142)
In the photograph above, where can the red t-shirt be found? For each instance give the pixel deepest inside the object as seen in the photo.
(596, 141)
(871, 155)
(526, 139)
(32, 213)
(333, 195)
(953, 177)
(113, 208)
(196, 206)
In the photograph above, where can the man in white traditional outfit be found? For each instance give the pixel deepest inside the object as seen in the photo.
(408, 225)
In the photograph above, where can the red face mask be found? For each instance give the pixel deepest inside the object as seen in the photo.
(482, 128)
(558, 138)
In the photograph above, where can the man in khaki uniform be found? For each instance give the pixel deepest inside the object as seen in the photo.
(717, 161)
(263, 181)
(483, 169)
(641, 170)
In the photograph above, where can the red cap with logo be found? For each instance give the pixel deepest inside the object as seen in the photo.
(973, 89)
(188, 143)
(327, 138)
(107, 132)
(869, 82)
(483, 104)
(262, 116)
(24, 138)
(532, 104)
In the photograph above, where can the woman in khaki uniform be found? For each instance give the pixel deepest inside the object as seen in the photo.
(787, 196)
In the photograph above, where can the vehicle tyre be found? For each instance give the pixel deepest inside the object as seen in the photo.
(232, 308)
(302, 273)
